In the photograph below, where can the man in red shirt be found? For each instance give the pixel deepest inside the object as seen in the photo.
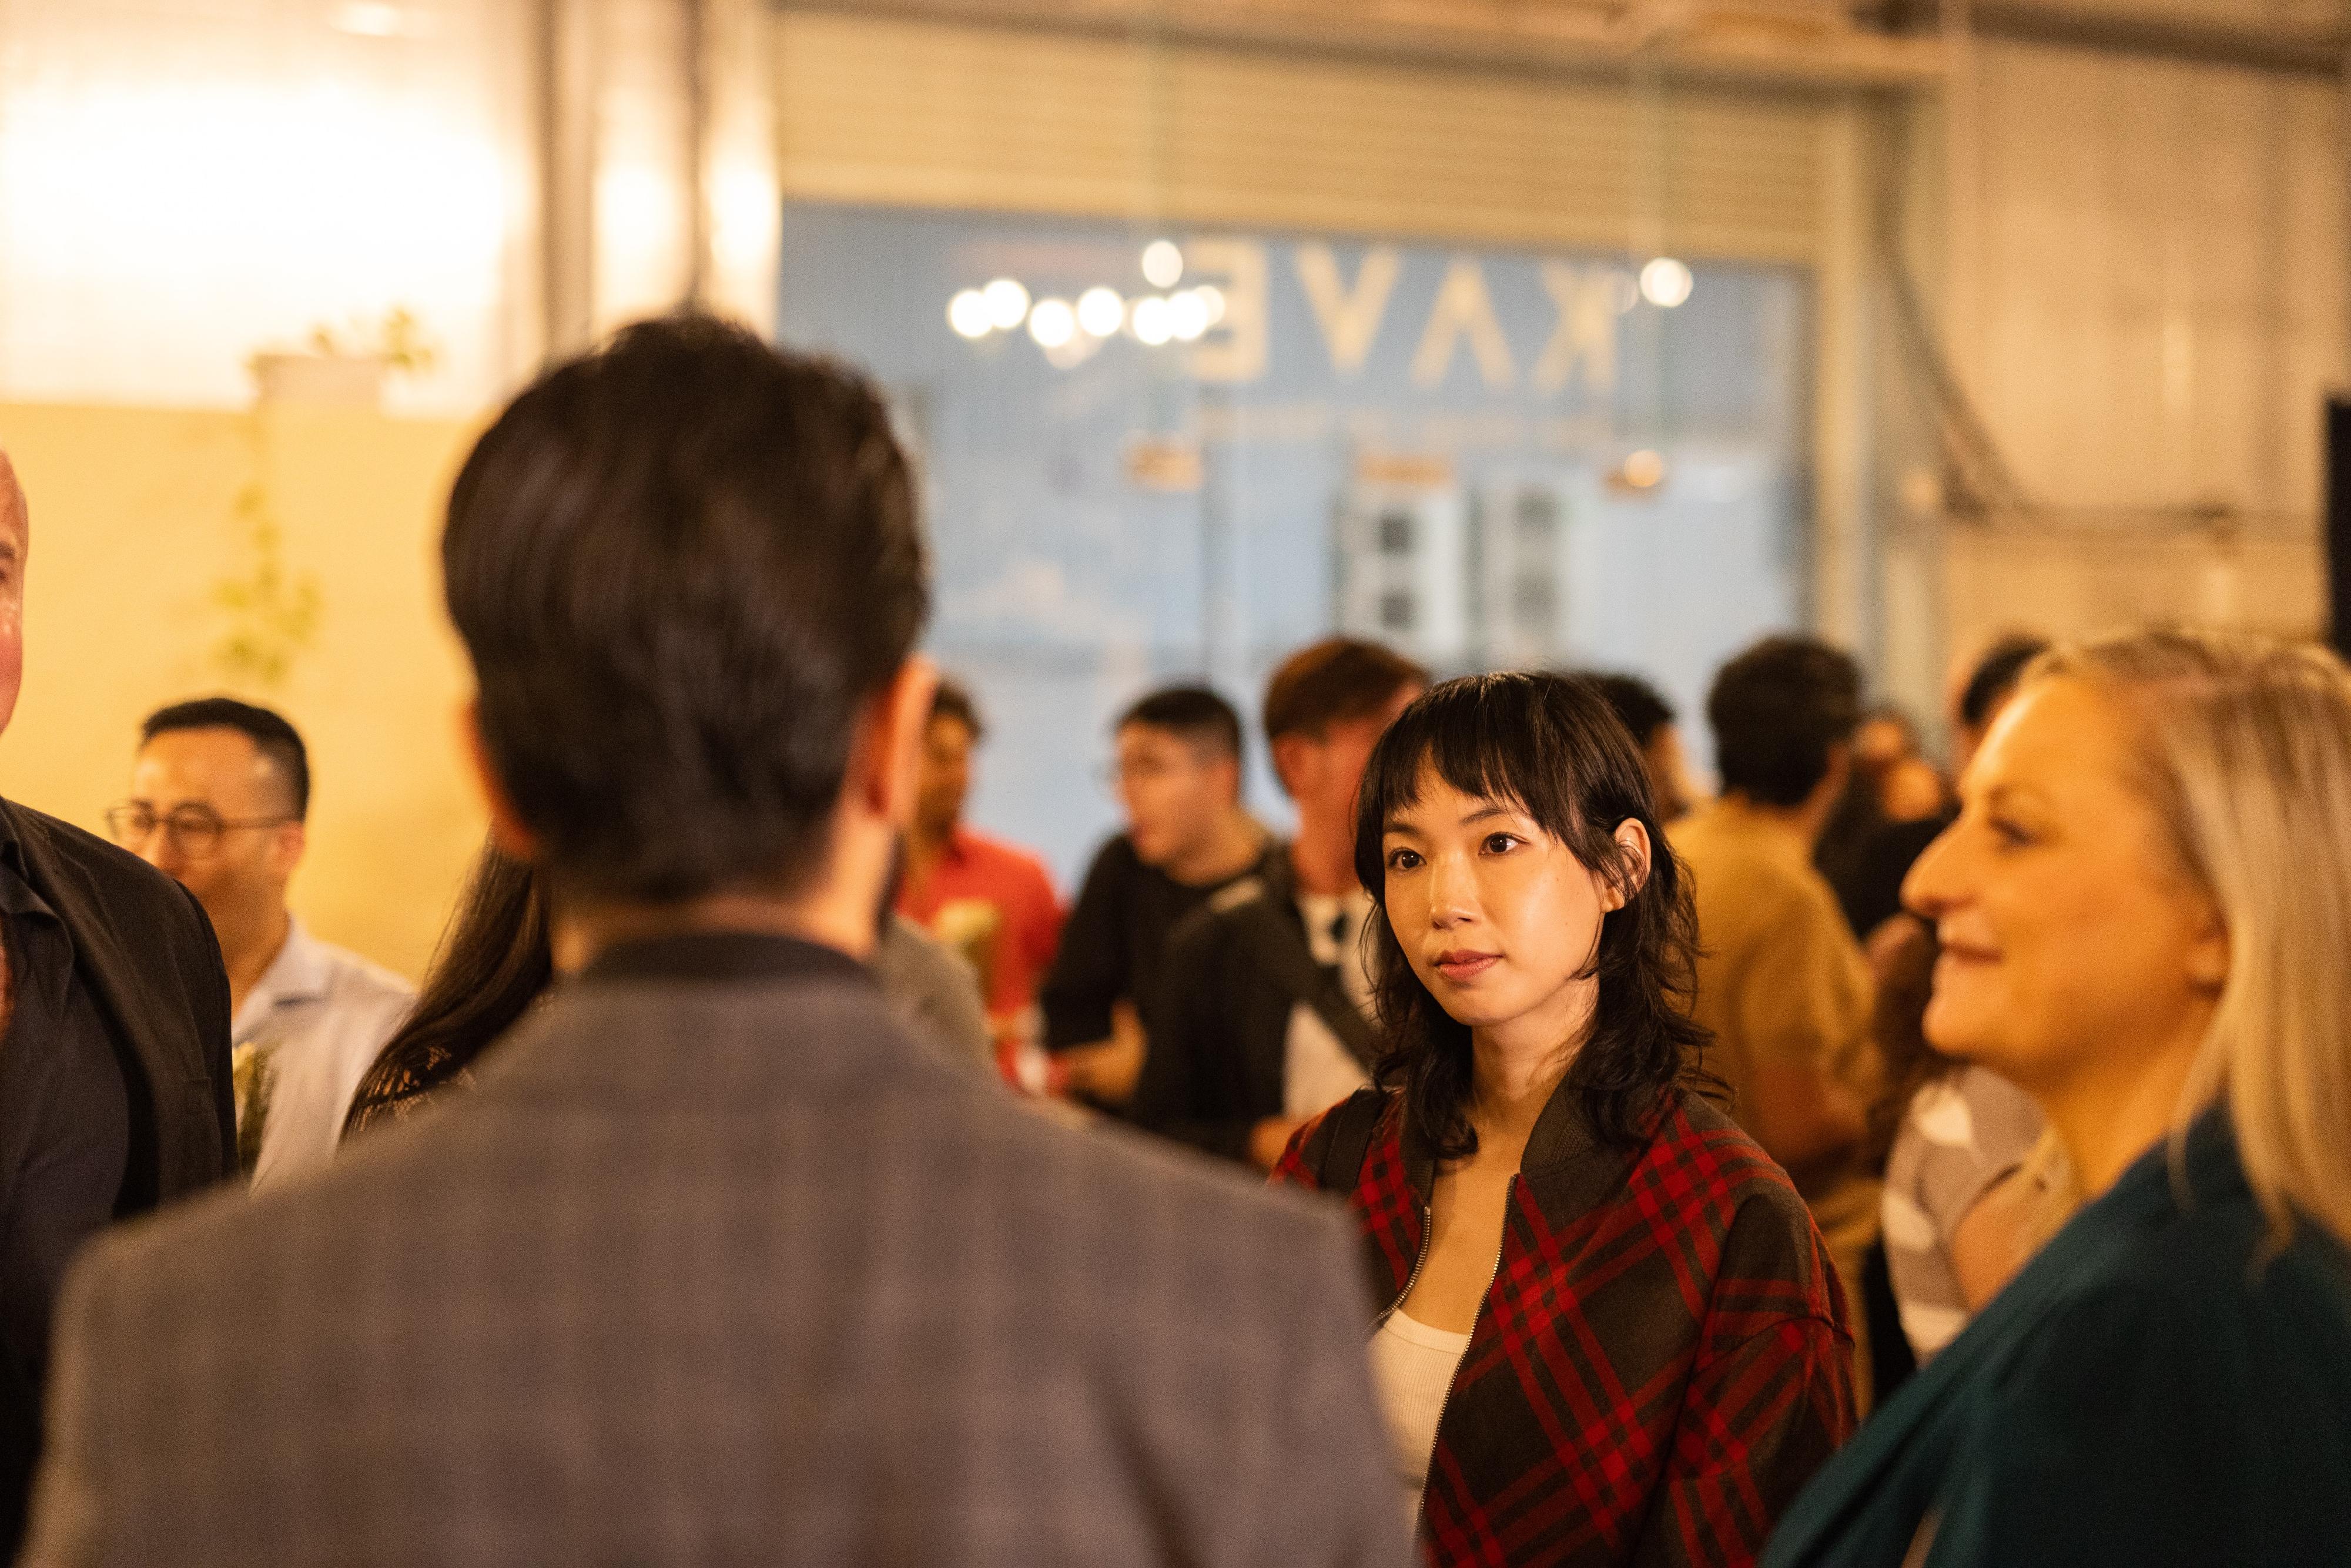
(990, 901)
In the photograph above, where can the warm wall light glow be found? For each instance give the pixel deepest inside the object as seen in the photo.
(1007, 303)
(1187, 316)
(157, 232)
(968, 314)
(1101, 312)
(1052, 323)
(1644, 470)
(1665, 282)
(1163, 263)
(368, 20)
(1151, 320)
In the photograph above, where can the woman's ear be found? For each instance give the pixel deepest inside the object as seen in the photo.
(1632, 874)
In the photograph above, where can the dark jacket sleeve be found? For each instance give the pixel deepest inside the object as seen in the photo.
(1770, 1399)
(1188, 1091)
(1089, 973)
(208, 983)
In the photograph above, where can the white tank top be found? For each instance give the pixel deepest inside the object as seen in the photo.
(1412, 1366)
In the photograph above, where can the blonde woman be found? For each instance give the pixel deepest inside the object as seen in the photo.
(2145, 909)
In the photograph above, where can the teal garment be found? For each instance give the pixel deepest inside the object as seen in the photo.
(2150, 1391)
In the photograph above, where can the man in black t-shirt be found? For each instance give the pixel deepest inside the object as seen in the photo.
(1179, 777)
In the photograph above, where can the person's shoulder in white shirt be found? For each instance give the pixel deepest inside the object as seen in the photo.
(304, 1039)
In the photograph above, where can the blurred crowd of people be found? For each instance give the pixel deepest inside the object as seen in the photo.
(1874, 1162)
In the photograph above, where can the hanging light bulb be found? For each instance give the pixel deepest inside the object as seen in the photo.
(1163, 263)
(1099, 311)
(969, 315)
(1187, 316)
(1007, 303)
(1665, 282)
(1151, 321)
(1052, 323)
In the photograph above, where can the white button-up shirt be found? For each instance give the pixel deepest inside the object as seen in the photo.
(305, 1037)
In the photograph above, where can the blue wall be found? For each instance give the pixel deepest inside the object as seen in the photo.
(1065, 588)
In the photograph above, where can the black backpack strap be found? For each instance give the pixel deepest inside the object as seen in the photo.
(1347, 1140)
(1280, 945)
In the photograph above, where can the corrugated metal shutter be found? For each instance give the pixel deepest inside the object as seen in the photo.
(948, 115)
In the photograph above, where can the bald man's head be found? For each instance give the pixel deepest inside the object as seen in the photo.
(16, 514)
(16, 540)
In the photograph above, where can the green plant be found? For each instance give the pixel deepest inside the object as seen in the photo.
(273, 611)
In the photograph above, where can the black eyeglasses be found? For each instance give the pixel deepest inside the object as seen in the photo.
(194, 831)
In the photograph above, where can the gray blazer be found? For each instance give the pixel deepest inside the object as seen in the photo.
(720, 1267)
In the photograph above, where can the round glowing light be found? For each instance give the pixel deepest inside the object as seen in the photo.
(1664, 282)
(1151, 321)
(1099, 311)
(1187, 316)
(1007, 303)
(1213, 298)
(969, 315)
(1163, 263)
(1645, 470)
(1052, 323)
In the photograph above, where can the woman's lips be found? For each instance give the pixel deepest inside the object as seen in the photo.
(1460, 967)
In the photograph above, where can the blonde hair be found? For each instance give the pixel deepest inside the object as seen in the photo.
(2244, 749)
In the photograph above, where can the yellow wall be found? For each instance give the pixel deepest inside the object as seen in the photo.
(135, 522)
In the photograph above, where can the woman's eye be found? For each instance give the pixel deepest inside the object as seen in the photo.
(1402, 860)
(1500, 843)
(2009, 833)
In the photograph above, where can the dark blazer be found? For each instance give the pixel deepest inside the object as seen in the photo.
(146, 950)
(723, 1268)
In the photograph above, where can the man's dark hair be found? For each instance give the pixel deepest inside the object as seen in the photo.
(1995, 676)
(271, 736)
(683, 565)
(1332, 682)
(953, 700)
(1642, 708)
(1194, 714)
(1777, 710)
(1549, 745)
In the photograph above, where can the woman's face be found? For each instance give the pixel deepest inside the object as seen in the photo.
(1497, 917)
(2072, 943)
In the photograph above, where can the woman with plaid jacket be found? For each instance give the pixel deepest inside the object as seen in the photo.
(1610, 1333)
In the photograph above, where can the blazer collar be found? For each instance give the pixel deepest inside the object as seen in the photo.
(1567, 1167)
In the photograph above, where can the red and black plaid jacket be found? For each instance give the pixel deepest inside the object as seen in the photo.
(1662, 1360)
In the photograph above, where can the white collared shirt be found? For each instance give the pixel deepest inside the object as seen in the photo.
(305, 1037)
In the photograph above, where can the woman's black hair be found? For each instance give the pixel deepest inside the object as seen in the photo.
(1551, 747)
(494, 962)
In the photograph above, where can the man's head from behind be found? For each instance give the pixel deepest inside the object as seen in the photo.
(1324, 707)
(1649, 719)
(1990, 684)
(688, 571)
(1784, 714)
(950, 737)
(1179, 771)
(219, 793)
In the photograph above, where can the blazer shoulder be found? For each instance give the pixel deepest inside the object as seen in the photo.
(56, 842)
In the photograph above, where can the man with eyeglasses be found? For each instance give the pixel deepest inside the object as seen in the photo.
(1178, 777)
(114, 1070)
(218, 799)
